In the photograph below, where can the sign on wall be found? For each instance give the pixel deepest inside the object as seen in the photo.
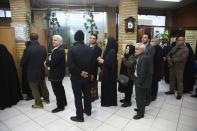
(191, 38)
(20, 31)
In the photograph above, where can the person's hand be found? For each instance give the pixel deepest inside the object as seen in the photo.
(45, 65)
(92, 77)
(101, 61)
(84, 74)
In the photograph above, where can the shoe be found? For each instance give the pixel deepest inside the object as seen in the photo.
(178, 97)
(169, 93)
(88, 114)
(126, 105)
(29, 98)
(147, 103)
(122, 100)
(194, 95)
(37, 106)
(136, 117)
(57, 110)
(136, 109)
(74, 118)
(45, 101)
(153, 99)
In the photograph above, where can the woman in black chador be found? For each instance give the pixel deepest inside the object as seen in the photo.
(109, 77)
(10, 92)
(127, 68)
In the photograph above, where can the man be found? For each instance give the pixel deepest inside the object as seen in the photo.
(97, 53)
(177, 58)
(79, 64)
(56, 65)
(34, 58)
(149, 52)
(142, 78)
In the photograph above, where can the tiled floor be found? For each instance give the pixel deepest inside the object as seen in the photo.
(165, 114)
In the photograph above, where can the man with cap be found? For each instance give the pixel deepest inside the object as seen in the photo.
(79, 64)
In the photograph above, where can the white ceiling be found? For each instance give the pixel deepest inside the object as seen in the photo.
(114, 3)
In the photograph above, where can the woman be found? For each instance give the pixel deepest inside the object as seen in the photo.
(108, 83)
(128, 69)
(10, 92)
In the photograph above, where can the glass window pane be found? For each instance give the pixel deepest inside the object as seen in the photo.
(8, 13)
(2, 14)
(151, 20)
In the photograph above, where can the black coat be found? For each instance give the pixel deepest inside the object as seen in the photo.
(97, 52)
(34, 58)
(143, 72)
(150, 51)
(57, 64)
(158, 63)
(80, 59)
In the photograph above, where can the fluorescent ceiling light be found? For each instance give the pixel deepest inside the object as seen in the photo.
(170, 0)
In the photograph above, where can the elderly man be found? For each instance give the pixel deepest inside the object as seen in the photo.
(56, 65)
(142, 77)
(176, 59)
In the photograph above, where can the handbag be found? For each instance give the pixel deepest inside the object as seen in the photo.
(123, 79)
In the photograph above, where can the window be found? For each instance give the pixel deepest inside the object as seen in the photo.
(5, 13)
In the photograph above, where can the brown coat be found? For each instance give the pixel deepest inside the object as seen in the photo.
(177, 57)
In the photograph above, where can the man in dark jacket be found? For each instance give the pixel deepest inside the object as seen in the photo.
(56, 66)
(79, 64)
(149, 52)
(34, 59)
(97, 53)
(142, 78)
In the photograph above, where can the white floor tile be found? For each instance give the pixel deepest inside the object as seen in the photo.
(59, 125)
(163, 124)
(117, 121)
(182, 127)
(36, 113)
(188, 121)
(3, 127)
(136, 127)
(106, 127)
(74, 128)
(101, 115)
(16, 121)
(168, 115)
(9, 113)
(27, 126)
(46, 118)
(189, 112)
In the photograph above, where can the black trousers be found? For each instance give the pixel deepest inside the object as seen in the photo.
(79, 88)
(128, 91)
(154, 89)
(26, 89)
(140, 99)
(148, 92)
(59, 92)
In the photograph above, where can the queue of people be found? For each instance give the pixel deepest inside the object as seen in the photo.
(143, 64)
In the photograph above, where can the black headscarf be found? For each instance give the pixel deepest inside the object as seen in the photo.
(131, 51)
(111, 44)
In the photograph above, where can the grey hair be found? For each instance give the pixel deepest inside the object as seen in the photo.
(60, 38)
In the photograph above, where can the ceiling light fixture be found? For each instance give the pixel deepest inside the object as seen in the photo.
(170, 0)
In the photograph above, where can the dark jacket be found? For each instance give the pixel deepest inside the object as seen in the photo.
(80, 59)
(143, 71)
(34, 58)
(57, 64)
(150, 51)
(96, 53)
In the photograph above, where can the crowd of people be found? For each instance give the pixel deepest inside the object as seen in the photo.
(143, 64)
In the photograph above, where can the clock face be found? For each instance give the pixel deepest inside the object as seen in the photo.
(130, 25)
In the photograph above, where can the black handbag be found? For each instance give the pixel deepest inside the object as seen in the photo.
(123, 79)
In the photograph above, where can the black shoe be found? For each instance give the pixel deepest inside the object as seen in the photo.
(178, 97)
(147, 103)
(88, 114)
(194, 95)
(74, 118)
(29, 98)
(126, 105)
(58, 109)
(153, 99)
(169, 93)
(136, 117)
(136, 109)
(122, 100)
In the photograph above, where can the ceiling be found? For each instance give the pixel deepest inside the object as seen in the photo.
(107, 3)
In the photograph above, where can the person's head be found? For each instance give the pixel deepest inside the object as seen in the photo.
(57, 40)
(130, 49)
(34, 37)
(146, 38)
(139, 48)
(180, 40)
(154, 41)
(111, 44)
(93, 38)
(28, 43)
(79, 36)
